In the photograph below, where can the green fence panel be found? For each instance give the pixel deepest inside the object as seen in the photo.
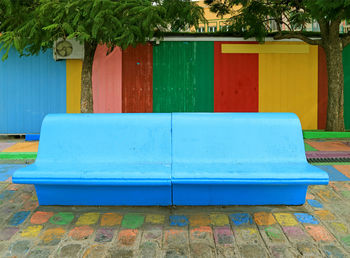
(183, 77)
(346, 67)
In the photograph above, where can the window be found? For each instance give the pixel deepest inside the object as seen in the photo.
(212, 28)
(200, 29)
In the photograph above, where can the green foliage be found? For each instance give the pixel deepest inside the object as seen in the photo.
(33, 25)
(252, 18)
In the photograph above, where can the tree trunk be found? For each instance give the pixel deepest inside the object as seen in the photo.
(86, 101)
(335, 108)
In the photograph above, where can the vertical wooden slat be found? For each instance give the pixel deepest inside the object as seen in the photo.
(235, 81)
(288, 83)
(137, 79)
(73, 70)
(183, 77)
(346, 68)
(322, 89)
(107, 80)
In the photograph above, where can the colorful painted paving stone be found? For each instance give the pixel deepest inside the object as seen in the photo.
(199, 220)
(62, 218)
(31, 231)
(315, 203)
(306, 218)
(219, 220)
(264, 218)
(241, 219)
(89, 218)
(81, 232)
(325, 215)
(295, 233)
(104, 235)
(319, 233)
(155, 218)
(52, 236)
(285, 219)
(18, 218)
(132, 221)
(41, 217)
(223, 236)
(334, 174)
(178, 220)
(7, 233)
(127, 237)
(111, 219)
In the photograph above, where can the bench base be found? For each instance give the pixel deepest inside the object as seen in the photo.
(103, 195)
(206, 194)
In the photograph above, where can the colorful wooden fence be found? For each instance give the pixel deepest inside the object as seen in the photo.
(197, 76)
(176, 76)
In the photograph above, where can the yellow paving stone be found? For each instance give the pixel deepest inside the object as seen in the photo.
(111, 219)
(199, 220)
(219, 220)
(31, 231)
(52, 234)
(285, 219)
(23, 147)
(155, 218)
(325, 215)
(264, 218)
(89, 218)
(340, 227)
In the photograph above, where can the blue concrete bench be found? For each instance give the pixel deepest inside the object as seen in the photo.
(102, 159)
(164, 159)
(240, 158)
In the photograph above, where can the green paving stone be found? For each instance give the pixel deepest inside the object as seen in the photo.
(309, 147)
(346, 194)
(346, 240)
(273, 233)
(318, 134)
(62, 218)
(18, 155)
(329, 163)
(132, 221)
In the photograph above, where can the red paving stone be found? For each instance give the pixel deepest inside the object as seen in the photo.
(40, 217)
(319, 233)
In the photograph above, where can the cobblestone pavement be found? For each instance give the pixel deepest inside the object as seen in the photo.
(319, 228)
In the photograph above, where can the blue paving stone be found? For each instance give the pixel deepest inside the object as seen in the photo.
(241, 218)
(178, 220)
(6, 194)
(334, 175)
(7, 170)
(306, 218)
(315, 203)
(19, 217)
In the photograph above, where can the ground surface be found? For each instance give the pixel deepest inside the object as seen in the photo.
(319, 228)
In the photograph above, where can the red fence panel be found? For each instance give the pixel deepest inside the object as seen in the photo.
(138, 79)
(236, 80)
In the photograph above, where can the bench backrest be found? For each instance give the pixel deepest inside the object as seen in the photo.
(236, 138)
(106, 138)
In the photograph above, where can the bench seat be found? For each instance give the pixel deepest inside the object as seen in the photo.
(165, 159)
(240, 159)
(102, 159)
(244, 184)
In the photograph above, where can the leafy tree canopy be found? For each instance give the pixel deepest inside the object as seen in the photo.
(32, 25)
(252, 18)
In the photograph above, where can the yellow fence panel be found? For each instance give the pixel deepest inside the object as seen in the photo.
(73, 77)
(288, 83)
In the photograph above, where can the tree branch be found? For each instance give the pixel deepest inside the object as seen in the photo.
(298, 36)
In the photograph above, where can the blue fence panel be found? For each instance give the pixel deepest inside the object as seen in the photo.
(30, 88)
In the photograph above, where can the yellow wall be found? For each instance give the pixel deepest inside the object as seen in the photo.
(213, 20)
(288, 83)
(73, 77)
